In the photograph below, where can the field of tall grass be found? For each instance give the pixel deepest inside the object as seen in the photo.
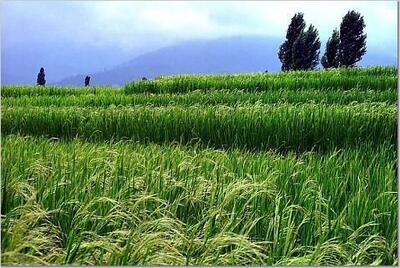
(378, 78)
(92, 98)
(293, 168)
(297, 127)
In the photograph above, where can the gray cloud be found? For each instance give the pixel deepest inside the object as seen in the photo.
(143, 26)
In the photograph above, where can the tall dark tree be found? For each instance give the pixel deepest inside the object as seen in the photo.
(313, 45)
(41, 81)
(87, 81)
(331, 57)
(352, 39)
(296, 27)
(305, 52)
(298, 52)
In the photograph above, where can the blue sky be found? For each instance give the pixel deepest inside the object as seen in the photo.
(142, 26)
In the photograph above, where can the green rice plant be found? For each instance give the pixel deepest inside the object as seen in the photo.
(254, 127)
(220, 97)
(238, 170)
(73, 202)
(333, 79)
(18, 91)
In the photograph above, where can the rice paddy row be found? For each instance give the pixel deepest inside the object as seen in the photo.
(228, 98)
(132, 204)
(252, 127)
(377, 78)
(374, 78)
(56, 91)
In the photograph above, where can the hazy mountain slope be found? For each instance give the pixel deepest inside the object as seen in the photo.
(226, 55)
(20, 64)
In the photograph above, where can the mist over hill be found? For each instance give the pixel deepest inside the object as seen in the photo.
(224, 55)
(21, 63)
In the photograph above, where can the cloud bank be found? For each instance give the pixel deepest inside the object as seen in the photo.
(143, 26)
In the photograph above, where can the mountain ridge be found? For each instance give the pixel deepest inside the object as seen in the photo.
(243, 54)
(223, 55)
(237, 54)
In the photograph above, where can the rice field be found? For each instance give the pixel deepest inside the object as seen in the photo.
(92, 98)
(293, 168)
(377, 78)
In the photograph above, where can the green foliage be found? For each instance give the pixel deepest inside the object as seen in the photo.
(331, 57)
(295, 29)
(352, 44)
(216, 97)
(281, 126)
(131, 204)
(375, 78)
(18, 91)
(295, 168)
(305, 51)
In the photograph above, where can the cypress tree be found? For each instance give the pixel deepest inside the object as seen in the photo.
(352, 39)
(312, 45)
(41, 81)
(298, 51)
(296, 27)
(331, 57)
(305, 53)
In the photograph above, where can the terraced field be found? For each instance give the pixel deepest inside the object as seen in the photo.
(293, 168)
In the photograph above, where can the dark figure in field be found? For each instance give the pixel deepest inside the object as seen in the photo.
(87, 81)
(266, 71)
(40, 78)
(144, 78)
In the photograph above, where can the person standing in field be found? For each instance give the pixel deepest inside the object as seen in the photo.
(40, 78)
(87, 81)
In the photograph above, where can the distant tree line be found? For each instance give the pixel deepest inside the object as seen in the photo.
(41, 81)
(301, 48)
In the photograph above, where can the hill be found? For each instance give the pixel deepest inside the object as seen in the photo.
(241, 54)
(224, 55)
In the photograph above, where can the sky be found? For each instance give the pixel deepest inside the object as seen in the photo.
(141, 26)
